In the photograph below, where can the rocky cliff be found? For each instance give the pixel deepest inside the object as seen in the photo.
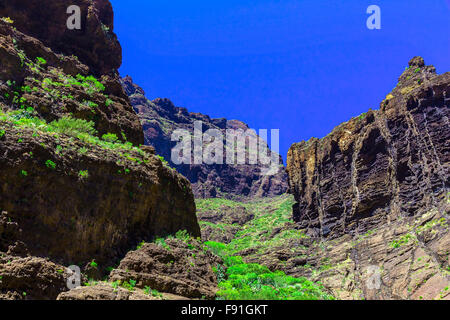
(160, 118)
(76, 186)
(379, 166)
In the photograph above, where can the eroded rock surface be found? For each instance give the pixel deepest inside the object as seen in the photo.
(75, 185)
(160, 118)
(106, 291)
(56, 85)
(96, 44)
(183, 268)
(30, 278)
(379, 166)
(373, 197)
(64, 215)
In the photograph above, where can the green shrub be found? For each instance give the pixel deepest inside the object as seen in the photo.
(41, 61)
(183, 235)
(164, 161)
(110, 137)
(72, 127)
(83, 174)
(108, 102)
(50, 164)
(256, 282)
(216, 247)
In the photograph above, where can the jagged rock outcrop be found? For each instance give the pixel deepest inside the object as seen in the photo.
(373, 197)
(57, 84)
(379, 166)
(106, 291)
(160, 118)
(30, 278)
(74, 180)
(172, 266)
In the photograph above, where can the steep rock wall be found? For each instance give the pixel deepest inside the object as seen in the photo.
(378, 166)
(76, 194)
(160, 118)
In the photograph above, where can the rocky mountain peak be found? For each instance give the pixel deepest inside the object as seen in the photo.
(161, 117)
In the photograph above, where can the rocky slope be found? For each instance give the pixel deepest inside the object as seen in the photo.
(76, 186)
(406, 259)
(160, 118)
(171, 268)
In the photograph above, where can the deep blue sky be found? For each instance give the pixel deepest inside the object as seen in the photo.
(301, 66)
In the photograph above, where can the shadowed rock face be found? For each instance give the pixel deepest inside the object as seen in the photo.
(53, 87)
(95, 44)
(379, 166)
(71, 219)
(160, 118)
(74, 198)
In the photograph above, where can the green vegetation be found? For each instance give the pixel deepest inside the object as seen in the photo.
(93, 264)
(83, 174)
(110, 137)
(401, 241)
(41, 61)
(253, 281)
(164, 161)
(239, 280)
(50, 164)
(152, 292)
(76, 128)
(7, 20)
(72, 127)
(108, 102)
(269, 214)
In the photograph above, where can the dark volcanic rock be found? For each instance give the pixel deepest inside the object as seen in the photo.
(59, 86)
(160, 118)
(123, 200)
(95, 44)
(176, 267)
(379, 166)
(71, 194)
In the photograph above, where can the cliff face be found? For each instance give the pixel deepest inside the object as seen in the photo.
(373, 197)
(73, 177)
(44, 74)
(95, 44)
(160, 118)
(379, 166)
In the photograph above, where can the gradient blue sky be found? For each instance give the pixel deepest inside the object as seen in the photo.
(301, 66)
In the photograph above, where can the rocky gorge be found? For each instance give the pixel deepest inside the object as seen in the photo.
(86, 179)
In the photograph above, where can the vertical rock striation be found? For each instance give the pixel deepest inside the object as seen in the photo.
(379, 166)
